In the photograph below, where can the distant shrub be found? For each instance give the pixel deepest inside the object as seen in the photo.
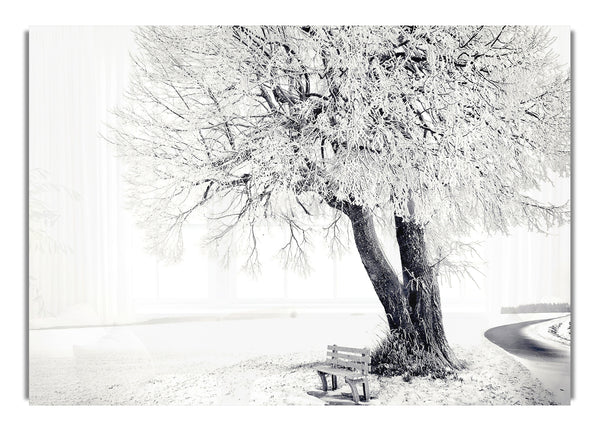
(553, 307)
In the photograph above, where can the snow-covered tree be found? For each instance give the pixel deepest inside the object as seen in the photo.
(437, 130)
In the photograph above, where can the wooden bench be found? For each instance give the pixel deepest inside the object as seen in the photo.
(348, 362)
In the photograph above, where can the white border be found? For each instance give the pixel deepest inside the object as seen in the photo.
(19, 16)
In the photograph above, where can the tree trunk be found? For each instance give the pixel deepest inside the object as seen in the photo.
(412, 306)
(388, 286)
(421, 289)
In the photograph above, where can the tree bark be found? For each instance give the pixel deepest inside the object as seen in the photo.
(420, 287)
(386, 282)
(412, 304)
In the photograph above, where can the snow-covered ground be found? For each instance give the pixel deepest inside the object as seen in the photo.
(256, 361)
(556, 330)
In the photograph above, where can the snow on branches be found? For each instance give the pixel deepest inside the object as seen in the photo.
(447, 126)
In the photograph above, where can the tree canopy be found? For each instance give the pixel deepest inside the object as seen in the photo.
(450, 127)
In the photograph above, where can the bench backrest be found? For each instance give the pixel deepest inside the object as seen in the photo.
(349, 357)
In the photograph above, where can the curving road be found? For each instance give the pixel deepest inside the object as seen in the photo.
(547, 360)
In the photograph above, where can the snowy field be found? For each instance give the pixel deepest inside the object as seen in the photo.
(258, 361)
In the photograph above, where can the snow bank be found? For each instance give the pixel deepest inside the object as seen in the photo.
(561, 328)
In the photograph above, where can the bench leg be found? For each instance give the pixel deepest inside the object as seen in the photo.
(334, 385)
(355, 395)
(366, 391)
(323, 377)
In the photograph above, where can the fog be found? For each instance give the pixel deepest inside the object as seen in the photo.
(88, 264)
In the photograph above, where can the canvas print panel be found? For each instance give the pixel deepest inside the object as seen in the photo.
(299, 215)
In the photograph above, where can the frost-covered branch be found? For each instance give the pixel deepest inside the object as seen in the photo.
(448, 126)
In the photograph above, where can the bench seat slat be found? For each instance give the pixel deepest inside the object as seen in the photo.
(341, 372)
(350, 364)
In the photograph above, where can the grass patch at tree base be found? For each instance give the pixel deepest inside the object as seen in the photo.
(400, 354)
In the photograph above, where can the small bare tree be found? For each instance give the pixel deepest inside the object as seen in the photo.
(438, 130)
